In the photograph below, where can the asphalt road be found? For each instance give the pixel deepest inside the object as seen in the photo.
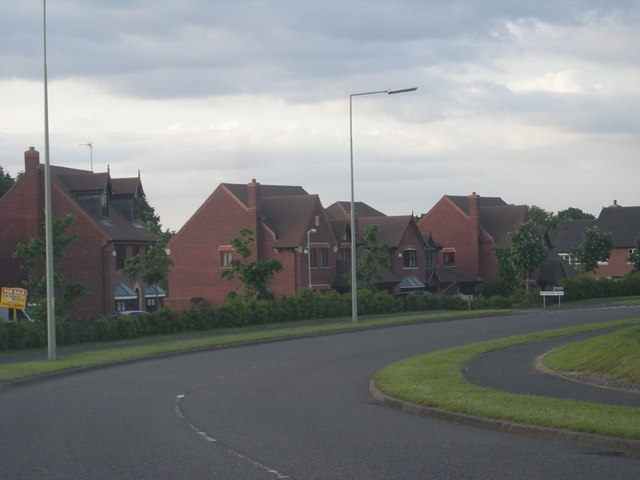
(295, 409)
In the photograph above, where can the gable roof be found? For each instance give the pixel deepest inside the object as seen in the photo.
(240, 191)
(288, 217)
(342, 210)
(390, 229)
(498, 221)
(622, 222)
(569, 234)
(462, 202)
(117, 227)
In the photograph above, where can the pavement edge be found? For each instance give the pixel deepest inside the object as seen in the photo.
(616, 445)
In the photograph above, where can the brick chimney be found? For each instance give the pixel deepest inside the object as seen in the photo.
(255, 210)
(31, 160)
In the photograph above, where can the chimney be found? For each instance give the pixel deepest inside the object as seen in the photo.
(253, 195)
(253, 202)
(473, 205)
(31, 160)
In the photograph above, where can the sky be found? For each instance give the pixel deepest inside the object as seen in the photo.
(537, 102)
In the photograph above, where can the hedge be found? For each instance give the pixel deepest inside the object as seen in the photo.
(306, 305)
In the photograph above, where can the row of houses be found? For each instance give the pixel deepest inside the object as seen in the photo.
(451, 249)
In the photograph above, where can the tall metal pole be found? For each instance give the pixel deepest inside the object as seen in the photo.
(354, 283)
(51, 309)
(311, 230)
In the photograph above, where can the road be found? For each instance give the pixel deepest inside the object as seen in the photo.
(296, 409)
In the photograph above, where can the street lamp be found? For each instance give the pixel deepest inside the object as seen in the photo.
(354, 286)
(311, 230)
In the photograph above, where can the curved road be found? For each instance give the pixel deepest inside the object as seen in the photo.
(296, 409)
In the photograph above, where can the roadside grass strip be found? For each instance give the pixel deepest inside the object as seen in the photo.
(616, 354)
(15, 371)
(436, 380)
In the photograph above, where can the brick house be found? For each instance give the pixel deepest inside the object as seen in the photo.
(624, 225)
(292, 226)
(407, 247)
(470, 230)
(283, 219)
(108, 226)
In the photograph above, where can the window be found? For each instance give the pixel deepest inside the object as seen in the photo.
(429, 258)
(104, 203)
(449, 259)
(319, 257)
(225, 259)
(630, 252)
(323, 257)
(121, 256)
(410, 259)
(344, 254)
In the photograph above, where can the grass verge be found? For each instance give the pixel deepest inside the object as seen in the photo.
(436, 380)
(123, 352)
(616, 354)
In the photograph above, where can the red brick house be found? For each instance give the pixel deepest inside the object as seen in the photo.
(407, 247)
(108, 226)
(282, 218)
(290, 225)
(624, 225)
(470, 230)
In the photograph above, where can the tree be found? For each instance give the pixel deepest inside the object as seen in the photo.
(6, 182)
(550, 220)
(254, 275)
(373, 256)
(525, 253)
(542, 218)
(154, 264)
(596, 247)
(34, 255)
(635, 256)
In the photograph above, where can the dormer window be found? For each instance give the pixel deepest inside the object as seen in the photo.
(104, 203)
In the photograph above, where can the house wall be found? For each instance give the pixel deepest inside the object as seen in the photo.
(455, 231)
(617, 266)
(196, 251)
(22, 209)
(411, 240)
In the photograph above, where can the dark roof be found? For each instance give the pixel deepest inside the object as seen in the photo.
(499, 221)
(117, 227)
(555, 270)
(342, 210)
(288, 218)
(622, 222)
(569, 234)
(390, 229)
(127, 186)
(86, 182)
(240, 191)
(445, 276)
(462, 202)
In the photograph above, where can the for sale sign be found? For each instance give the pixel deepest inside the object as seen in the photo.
(13, 298)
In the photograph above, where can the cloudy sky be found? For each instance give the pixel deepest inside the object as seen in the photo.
(537, 102)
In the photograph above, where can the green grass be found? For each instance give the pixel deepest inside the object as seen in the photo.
(616, 354)
(124, 352)
(436, 380)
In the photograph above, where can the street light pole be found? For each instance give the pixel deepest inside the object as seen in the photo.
(311, 230)
(354, 286)
(51, 309)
